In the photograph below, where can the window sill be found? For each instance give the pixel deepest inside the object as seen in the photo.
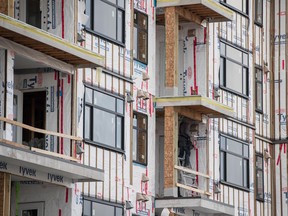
(260, 199)
(235, 9)
(121, 151)
(259, 111)
(104, 37)
(258, 24)
(145, 63)
(139, 163)
(235, 186)
(234, 92)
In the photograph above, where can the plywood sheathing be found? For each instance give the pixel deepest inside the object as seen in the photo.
(7, 7)
(5, 181)
(170, 139)
(171, 31)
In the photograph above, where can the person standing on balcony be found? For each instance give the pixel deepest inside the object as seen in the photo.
(184, 144)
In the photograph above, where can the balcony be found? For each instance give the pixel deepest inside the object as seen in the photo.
(33, 162)
(199, 10)
(41, 46)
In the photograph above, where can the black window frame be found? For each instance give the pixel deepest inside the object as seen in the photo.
(92, 106)
(223, 83)
(143, 30)
(244, 11)
(90, 27)
(261, 170)
(256, 11)
(145, 131)
(258, 82)
(223, 162)
(103, 202)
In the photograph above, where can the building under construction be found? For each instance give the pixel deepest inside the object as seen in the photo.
(160, 107)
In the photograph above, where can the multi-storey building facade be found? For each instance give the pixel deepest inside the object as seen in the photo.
(113, 107)
(76, 107)
(221, 102)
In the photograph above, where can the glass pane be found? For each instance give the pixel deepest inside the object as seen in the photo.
(135, 43)
(104, 127)
(222, 142)
(30, 212)
(222, 166)
(259, 162)
(233, 72)
(258, 11)
(104, 100)
(87, 131)
(234, 54)
(87, 208)
(234, 163)
(119, 133)
(259, 184)
(88, 95)
(102, 209)
(142, 46)
(121, 3)
(142, 21)
(142, 122)
(105, 19)
(120, 26)
(88, 13)
(258, 75)
(236, 4)
(119, 211)
(246, 150)
(222, 49)
(245, 59)
(141, 147)
(33, 13)
(120, 106)
(135, 120)
(234, 146)
(245, 173)
(134, 144)
(259, 96)
(245, 81)
(222, 66)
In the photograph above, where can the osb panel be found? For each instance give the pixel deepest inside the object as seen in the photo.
(169, 138)
(171, 22)
(7, 7)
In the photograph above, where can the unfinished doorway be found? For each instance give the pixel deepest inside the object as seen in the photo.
(31, 209)
(34, 114)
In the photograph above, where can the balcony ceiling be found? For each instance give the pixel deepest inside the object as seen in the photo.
(41, 41)
(208, 10)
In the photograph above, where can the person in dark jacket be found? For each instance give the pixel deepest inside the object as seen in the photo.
(184, 144)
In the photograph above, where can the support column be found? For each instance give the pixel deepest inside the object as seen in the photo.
(170, 151)
(5, 192)
(171, 34)
(7, 7)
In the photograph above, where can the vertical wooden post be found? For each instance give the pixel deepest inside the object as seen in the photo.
(170, 151)
(7, 7)
(5, 192)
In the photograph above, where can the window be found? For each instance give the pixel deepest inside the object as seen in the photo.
(234, 69)
(239, 5)
(259, 90)
(107, 18)
(104, 118)
(95, 208)
(140, 138)
(259, 178)
(140, 51)
(259, 12)
(234, 155)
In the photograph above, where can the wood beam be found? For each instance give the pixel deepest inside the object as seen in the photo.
(189, 113)
(188, 15)
(5, 193)
(7, 7)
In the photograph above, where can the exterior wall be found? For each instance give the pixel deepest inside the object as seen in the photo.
(122, 176)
